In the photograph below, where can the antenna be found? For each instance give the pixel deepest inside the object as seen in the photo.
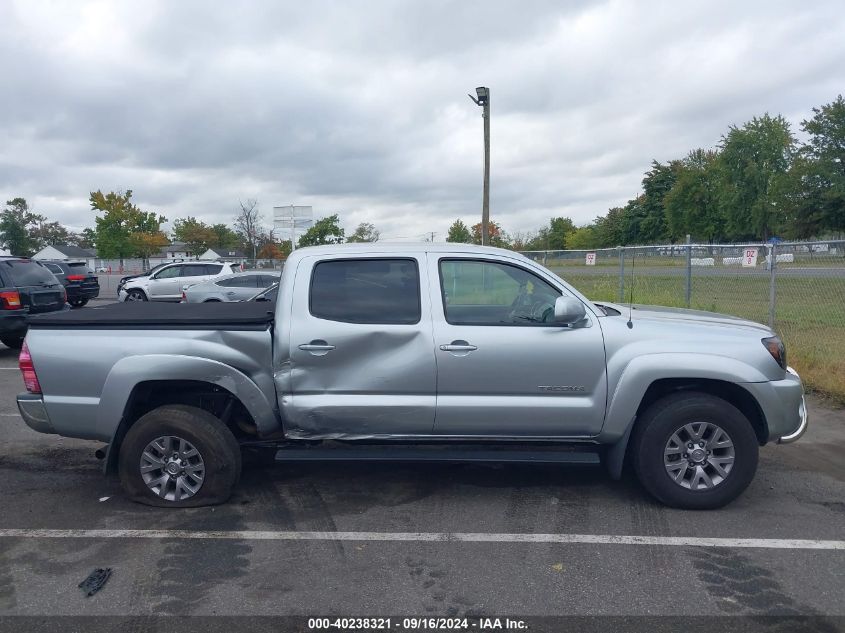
(631, 294)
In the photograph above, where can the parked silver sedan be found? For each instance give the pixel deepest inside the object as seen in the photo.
(237, 287)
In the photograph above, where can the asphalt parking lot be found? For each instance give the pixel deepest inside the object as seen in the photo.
(282, 546)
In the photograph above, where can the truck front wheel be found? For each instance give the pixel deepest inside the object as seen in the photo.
(179, 456)
(694, 451)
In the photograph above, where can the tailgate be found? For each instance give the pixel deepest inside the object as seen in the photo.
(42, 298)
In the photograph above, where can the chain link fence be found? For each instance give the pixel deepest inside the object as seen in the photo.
(797, 288)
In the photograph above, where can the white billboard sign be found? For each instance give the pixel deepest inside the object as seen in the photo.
(590, 259)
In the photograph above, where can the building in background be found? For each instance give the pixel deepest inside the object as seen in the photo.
(225, 254)
(66, 252)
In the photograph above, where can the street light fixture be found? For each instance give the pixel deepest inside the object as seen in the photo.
(483, 101)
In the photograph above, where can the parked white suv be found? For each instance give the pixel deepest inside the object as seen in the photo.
(166, 283)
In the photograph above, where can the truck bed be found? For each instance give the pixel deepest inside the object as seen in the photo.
(151, 315)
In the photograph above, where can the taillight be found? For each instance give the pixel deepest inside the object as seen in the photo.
(30, 380)
(74, 277)
(11, 300)
(184, 296)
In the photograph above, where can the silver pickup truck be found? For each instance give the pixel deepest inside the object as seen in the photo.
(413, 352)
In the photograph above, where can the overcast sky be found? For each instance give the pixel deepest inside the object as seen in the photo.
(360, 108)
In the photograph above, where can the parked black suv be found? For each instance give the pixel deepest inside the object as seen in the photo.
(79, 281)
(26, 287)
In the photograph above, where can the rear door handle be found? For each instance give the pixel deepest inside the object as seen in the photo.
(458, 346)
(315, 346)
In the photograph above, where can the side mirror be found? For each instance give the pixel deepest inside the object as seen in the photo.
(569, 310)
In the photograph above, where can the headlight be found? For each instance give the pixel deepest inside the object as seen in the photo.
(776, 349)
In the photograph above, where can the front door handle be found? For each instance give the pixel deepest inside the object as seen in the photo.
(458, 346)
(318, 347)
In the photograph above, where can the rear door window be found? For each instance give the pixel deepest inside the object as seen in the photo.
(193, 270)
(385, 291)
(212, 269)
(27, 273)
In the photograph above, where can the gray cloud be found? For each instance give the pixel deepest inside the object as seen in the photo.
(360, 108)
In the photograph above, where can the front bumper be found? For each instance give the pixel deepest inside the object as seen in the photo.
(34, 413)
(783, 406)
(802, 412)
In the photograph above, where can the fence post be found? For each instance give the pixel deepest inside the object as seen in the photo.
(621, 252)
(689, 271)
(773, 258)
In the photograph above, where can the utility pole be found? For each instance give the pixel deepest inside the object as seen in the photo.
(483, 100)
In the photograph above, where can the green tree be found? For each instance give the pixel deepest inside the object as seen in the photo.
(197, 235)
(692, 205)
(583, 238)
(145, 244)
(365, 232)
(459, 233)
(122, 228)
(821, 170)
(224, 237)
(16, 224)
(611, 228)
(649, 226)
(87, 239)
(325, 231)
(49, 234)
(754, 158)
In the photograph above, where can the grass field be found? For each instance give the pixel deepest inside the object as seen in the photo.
(809, 313)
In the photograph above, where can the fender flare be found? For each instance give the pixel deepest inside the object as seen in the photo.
(130, 371)
(641, 372)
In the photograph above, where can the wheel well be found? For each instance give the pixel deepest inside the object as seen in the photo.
(149, 395)
(728, 391)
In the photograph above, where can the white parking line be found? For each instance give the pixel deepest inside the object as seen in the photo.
(436, 537)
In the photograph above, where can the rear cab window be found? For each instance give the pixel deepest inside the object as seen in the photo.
(27, 273)
(378, 291)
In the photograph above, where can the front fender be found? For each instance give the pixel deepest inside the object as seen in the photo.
(132, 370)
(642, 371)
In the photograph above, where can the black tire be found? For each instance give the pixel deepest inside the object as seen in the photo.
(212, 301)
(655, 427)
(218, 448)
(78, 303)
(138, 295)
(15, 342)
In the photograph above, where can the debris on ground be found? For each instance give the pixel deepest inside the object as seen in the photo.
(95, 581)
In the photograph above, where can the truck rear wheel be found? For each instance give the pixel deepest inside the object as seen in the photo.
(694, 451)
(177, 456)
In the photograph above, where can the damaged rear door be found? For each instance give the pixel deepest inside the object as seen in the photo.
(362, 362)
